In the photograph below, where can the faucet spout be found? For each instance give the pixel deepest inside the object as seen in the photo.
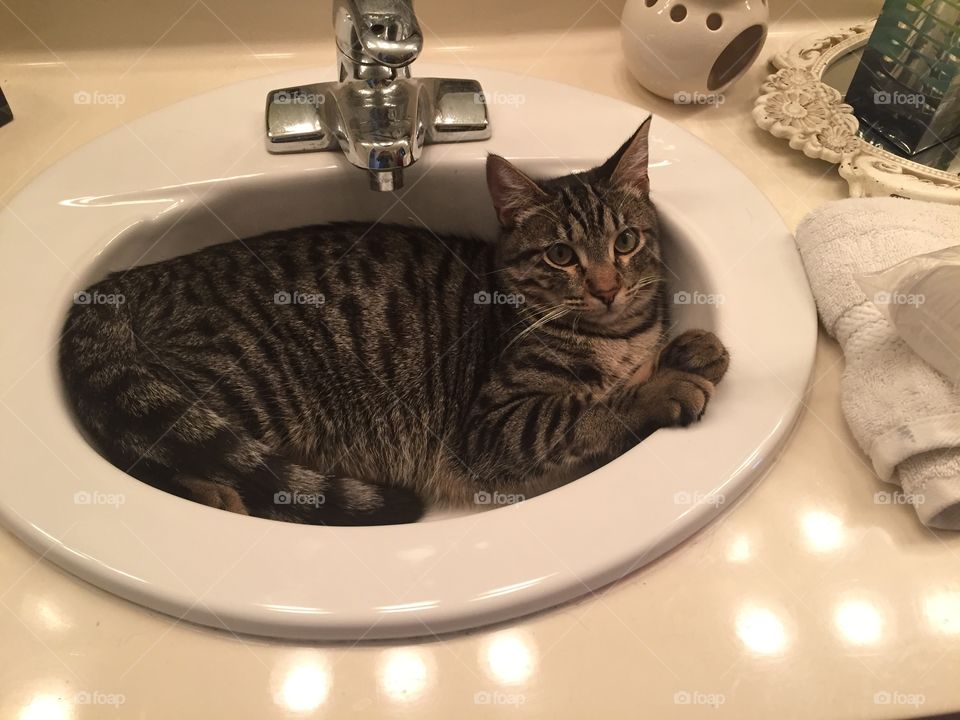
(375, 38)
(376, 114)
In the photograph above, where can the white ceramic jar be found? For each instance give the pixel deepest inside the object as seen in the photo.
(689, 51)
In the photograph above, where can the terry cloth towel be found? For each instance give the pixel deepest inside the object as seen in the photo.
(903, 413)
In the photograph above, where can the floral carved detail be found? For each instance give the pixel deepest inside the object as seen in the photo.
(796, 105)
(800, 79)
(810, 52)
(839, 138)
(810, 114)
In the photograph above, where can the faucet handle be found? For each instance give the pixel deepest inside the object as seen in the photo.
(375, 35)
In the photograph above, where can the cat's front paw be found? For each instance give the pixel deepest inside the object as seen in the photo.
(679, 398)
(699, 352)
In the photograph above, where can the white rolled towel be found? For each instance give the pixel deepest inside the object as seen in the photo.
(903, 413)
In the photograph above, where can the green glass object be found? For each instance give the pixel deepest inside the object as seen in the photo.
(907, 86)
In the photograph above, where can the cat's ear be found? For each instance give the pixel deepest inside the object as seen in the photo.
(628, 166)
(511, 190)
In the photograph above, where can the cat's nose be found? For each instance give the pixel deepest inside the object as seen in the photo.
(604, 286)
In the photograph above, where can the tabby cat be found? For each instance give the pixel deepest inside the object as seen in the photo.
(350, 374)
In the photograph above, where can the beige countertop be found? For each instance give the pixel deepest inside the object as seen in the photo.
(806, 599)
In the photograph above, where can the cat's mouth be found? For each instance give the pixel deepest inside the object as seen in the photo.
(593, 306)
(622, 309)
(609, 310)
(595, 311)
(600, 313)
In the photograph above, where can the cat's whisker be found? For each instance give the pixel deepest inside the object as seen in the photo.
(553, 314)
(642, 283)
(538, 311)
(544, 319)
(533, 314)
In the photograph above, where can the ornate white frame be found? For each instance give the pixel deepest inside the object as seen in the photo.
(794, 104)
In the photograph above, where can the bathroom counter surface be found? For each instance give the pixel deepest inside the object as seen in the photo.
(815, 595)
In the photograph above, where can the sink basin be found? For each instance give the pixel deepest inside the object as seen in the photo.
(197, 173)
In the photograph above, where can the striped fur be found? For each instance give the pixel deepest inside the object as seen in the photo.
(382, 384)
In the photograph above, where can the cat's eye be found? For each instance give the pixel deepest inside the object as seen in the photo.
(561, 255)
(626, 242)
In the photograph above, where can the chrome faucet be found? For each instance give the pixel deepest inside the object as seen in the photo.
(375, 112)
(377, 42)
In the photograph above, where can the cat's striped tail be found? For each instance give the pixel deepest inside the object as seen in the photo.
(149, 423)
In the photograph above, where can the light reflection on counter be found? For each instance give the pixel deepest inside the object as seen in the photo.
(47, 706)
(405, 673)
(48, 613)
(859, 621)
(306, 686)
(739, 550)
(824, 531)
(510, 657)
(761, 630)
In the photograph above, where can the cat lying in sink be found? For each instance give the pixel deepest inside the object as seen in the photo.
(350, 374)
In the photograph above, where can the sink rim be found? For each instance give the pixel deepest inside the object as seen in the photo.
(465, 600)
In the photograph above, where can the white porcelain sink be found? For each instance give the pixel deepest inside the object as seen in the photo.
(198, 173)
